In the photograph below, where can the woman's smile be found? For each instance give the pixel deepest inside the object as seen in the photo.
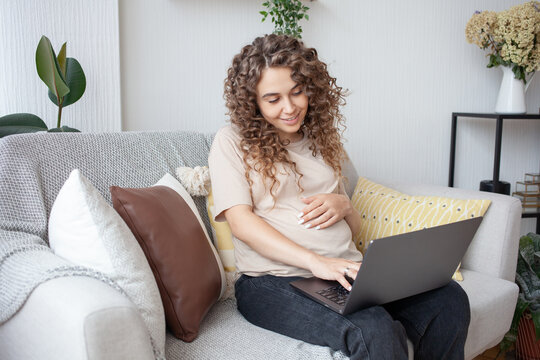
(291, 120)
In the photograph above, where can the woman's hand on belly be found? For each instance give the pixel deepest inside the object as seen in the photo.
(334, 269)
(324, 210)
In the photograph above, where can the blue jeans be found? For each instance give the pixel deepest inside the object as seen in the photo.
(436, 321)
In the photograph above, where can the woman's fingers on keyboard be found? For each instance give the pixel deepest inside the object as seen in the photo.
(343, 281)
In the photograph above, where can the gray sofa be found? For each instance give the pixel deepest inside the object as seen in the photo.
(52, 309)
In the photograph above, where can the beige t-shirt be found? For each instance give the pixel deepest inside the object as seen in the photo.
(230, 188)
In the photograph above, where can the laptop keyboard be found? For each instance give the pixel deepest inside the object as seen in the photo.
(337, 294)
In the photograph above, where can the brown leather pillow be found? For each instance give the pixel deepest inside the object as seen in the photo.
(178, 252)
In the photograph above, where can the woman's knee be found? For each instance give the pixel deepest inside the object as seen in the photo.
(384, 337)
(456, 305)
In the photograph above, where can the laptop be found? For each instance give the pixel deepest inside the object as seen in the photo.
(397, 267)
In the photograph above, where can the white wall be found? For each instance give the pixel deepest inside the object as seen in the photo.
(174, 58)
(91, 31)
(407, 64)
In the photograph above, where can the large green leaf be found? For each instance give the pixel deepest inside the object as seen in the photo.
(63, 129)
(48, 68)
(75, 79)
(20, 123)
(526, 250)
(528, 268)
(62, 60)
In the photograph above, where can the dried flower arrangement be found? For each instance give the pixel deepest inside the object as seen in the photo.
(512, 37)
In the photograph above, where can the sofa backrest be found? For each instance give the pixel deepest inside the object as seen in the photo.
(33, 168)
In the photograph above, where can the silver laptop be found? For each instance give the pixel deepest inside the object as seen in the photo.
(397, 267)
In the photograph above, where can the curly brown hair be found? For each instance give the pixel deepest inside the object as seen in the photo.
(323, 124)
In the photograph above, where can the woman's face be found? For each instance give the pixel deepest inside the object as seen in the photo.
(282, 102)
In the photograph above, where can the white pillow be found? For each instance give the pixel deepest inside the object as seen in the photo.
(86, 230)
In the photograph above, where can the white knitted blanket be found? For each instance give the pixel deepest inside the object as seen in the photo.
(33, 168)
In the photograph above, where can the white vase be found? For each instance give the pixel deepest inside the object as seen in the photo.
(511, 99)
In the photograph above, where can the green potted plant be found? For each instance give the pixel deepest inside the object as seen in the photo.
(528, 304)
(66, 82)
(285, 15)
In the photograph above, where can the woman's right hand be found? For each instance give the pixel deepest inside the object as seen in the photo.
(335, 269)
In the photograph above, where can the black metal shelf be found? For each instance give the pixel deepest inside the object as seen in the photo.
(497, 187)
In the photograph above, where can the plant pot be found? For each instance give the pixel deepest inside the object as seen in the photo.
(527, 347)
(502, 188)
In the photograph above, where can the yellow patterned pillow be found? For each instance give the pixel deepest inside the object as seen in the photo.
(385, 212)
(222, 236)
(223, 240)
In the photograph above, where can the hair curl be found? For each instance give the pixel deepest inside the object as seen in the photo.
(323, 124)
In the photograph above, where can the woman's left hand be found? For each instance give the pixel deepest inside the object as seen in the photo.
(324, 210)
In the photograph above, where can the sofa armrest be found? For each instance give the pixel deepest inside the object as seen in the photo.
(495, 246)
(75, 318)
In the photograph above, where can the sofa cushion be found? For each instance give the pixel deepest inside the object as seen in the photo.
(180, 255)
(225, 334)
(223, 237)
(197, 183)
(169, 181)
(85, 229)
(385, 212)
